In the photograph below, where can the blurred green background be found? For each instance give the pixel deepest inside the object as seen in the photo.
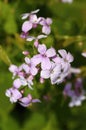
(69, 32)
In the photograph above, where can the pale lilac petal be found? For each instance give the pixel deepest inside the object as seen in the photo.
(43, 22)
(17, 83)
(13, 68)
(45, 74)
(33, 70)
(26, 68)
(46, 30)
(33, 19)
(35, 100)
(50, 52)
(49, 21)
(42, 49)
(46, 63)
(67, 89)
(36, 59)
(26, 26)
(69, 57)
(27, 60)
(63, 53)
(16, 94)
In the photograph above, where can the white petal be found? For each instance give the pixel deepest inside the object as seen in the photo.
(45, 74)
(30, 38)
(51, 52)
(41, 36)
(42, 49)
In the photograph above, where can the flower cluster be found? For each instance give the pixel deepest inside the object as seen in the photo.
(77, 94)
(48, 64)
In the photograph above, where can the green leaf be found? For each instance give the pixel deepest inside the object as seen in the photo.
(10, 26)
(35, 122)
(4, 57)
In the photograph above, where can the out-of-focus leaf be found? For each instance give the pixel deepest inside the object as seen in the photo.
(9, 123)
(52, 124)
(4, 57)
(10, 26)
(36, 122)
(5, 83)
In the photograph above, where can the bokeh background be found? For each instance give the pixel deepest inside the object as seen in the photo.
(68, 32)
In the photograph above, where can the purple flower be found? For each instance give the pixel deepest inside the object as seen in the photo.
(26, 15)
(26, 101)
(53, 73)
(27, 81)
(30, 68)
(13, 94)
(46, 25)
(44, 56)
(77, 94)
(15, 70)
(31, 23)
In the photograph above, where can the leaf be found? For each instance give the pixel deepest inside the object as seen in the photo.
(35, 122)
(4, 57)
(10, 26)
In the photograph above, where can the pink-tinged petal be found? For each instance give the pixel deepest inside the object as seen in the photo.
(33, 70)
(33, 19)
(36, 43)
(26, 26)
(36, 59)
(50, 52)
(27, 60)
(46, 30)
(49, 21)
(42, 49)
(30, 38)
(46, 63)
(43, 22)
(84, 54)
(69, 57)
(26, 68)
(17, 83)
(13, 68)
(45, 74)
(41, 80)
(16, 94)
(25, 53)
(63, 53)
(57, 59)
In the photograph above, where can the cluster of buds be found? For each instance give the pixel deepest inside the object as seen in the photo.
(48, 64)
